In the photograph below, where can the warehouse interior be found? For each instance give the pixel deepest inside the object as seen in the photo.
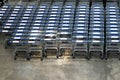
(60, 40)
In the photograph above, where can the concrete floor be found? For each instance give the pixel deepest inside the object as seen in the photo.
(56, 69)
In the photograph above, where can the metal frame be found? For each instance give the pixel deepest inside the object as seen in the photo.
(66, 27)
(51, 29)
(96, 30)
(80, 32)
(112, 29)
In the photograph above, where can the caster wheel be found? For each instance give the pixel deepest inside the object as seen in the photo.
(41, 59)
(45, 56)
(57, 56)
(71, 54)
(88, 58)
(15, 58)
(101, 57)
(28, 59)
(73, 57)
(106, 58)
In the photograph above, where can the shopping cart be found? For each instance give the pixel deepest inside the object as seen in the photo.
(112, 29)
(96, 30)
(80, 31)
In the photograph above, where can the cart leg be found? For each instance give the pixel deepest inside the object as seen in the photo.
(73, 57)
(73, 54)
(88, 55)
(6, 46)
(45, 53)
(28, 57)
(101, 56)
(15, 56)
(106, 55)
(60, 53)
(57, 53)
(42, 55)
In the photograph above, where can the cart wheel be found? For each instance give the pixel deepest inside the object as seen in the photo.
(73, 57)
(28, 59)
(45, 56)
(28, 56)
(15, 58)
(106, 57)
(41, 59)
(88, 56)
(71, 54)
(57, 56)
(101, 57)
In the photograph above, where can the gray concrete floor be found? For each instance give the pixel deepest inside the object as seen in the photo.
(56, 69)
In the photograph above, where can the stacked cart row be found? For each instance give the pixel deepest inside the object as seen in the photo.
(80, 30)
(96, 29)
(66, 27)
(54, 27)
(112, 29)
(51, 29)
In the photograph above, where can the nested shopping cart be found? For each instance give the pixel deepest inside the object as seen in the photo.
(51, 29)
(66, 27)
(4, 13)
(36, 32)
(12, 20)
(20, 35)
(80, 31)
(96, 30)
(112, 29)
